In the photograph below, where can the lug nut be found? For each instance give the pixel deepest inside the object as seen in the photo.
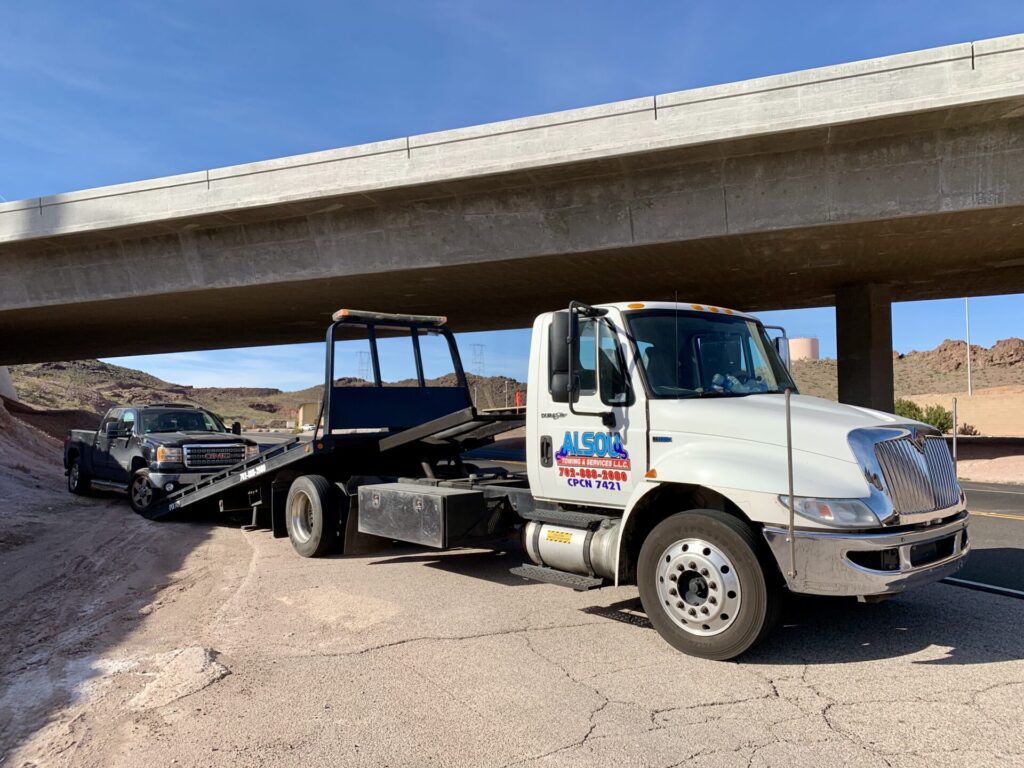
(693, 566)
(679, 567)
(713, 585)
(712, 600)
(692, 612)
(704, 609)
(679, 604)
(703, 571)
(672, 577)
(672, 592)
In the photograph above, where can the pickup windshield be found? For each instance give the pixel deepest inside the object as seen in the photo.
(180, 420)
(694, 354)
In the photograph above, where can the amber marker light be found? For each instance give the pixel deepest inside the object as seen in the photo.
(651, 473)
(635, 305)
(697, 306)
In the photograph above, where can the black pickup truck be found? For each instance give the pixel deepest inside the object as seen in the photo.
(149, 450)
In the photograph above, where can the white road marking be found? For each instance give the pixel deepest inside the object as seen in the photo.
(993, 490)
(967, 583)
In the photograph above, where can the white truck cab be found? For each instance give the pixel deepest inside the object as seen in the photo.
(671, 418)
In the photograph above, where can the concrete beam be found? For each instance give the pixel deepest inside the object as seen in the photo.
(864, 346)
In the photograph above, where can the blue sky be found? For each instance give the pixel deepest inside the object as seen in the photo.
(98, 94)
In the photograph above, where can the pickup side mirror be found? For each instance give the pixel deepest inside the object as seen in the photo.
(112, 430)
(563, 340)
(236, 428)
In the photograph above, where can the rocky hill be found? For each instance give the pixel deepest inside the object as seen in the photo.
(90, 385)
(94, 386)
(943, 369)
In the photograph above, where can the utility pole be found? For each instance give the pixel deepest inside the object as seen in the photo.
(967, 322)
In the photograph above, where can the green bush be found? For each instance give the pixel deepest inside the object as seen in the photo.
(939, 417)
(908, 409)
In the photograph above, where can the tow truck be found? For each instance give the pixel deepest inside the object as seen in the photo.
(666, 446)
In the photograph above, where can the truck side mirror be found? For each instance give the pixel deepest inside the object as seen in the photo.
(112, 430)
(782, 347)
(563, 340)
(236, 428)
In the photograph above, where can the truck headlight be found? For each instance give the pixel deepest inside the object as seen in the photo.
(841, 513)
(252, 451)
(168, 455)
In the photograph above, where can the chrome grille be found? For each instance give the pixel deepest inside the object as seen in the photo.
(918, 480)
(213, 455)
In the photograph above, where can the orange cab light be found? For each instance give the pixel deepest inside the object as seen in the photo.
(651, 473)
(713, 309)
(727, 311)
(696, 306)
(635, 305)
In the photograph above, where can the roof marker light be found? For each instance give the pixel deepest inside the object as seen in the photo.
(635, 305)
(697, 306)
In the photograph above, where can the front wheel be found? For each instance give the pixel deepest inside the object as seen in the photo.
(141, 494)
(707, 584)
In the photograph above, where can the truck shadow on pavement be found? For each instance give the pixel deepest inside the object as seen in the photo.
(822, 630)
(486, 565)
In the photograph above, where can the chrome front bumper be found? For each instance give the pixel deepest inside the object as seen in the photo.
(826, 561)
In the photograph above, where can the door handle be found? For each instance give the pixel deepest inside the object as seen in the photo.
(546, 455)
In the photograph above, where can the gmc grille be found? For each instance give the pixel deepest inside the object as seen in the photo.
(213, 455)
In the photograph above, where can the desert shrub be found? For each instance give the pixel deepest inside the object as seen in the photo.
(939, 417)
(908, 409)
(968, 429)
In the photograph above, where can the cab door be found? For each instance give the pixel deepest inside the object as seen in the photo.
(585, 456)
(122, 447)
(101, 461)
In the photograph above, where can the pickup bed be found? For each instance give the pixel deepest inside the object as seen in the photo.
(151, 450)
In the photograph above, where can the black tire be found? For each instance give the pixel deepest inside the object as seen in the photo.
(739, 578)
(311, 515)
(141, 493)
(79, 481)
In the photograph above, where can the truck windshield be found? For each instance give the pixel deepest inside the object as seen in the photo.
(695, 354)
(178, 420)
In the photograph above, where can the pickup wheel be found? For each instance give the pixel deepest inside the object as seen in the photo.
(141, 493)
(79, 481)
(311, 515)
(707, 584)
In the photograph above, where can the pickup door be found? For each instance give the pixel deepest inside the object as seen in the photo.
(123, 448)
(101, 461)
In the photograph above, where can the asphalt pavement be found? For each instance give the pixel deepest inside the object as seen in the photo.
(996, 562)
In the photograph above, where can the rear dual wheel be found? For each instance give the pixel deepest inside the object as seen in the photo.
(311, 515)
(707, 584)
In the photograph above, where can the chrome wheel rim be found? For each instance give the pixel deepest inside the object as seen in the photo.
(698, 587)
(73, 476)
(142, 493)
(301, 514)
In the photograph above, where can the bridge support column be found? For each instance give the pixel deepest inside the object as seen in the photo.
(6, 385)
(864, 346)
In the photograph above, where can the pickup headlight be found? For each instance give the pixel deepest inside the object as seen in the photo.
(252, 451)
(841, 513)
(168, 455)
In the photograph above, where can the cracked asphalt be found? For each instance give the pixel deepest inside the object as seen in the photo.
(190, 644)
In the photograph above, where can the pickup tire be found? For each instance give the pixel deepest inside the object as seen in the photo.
(311, 515)
(79, 481)
(141, 493)
(708, 585)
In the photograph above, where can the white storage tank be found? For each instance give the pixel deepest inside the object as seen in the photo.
(803, 348)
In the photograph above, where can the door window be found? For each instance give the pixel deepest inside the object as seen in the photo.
(614, 382)
(127, 423)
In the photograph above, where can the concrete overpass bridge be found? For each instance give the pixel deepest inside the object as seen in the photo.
(897, 178)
